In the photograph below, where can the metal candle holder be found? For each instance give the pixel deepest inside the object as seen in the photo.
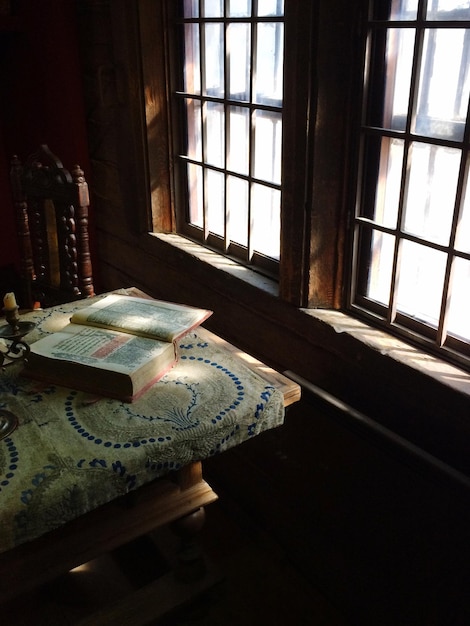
(17, 350)
(13, 332)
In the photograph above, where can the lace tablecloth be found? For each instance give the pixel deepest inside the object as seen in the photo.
(73, 452)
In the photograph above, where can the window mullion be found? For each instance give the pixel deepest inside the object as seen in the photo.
(461, 186)
(202, 70)
(226, 127)
(422, 9)
(252, 139)
(410, 123)
(392, 309)
(414, 86)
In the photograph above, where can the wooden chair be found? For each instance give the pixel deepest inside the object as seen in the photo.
(51, 206)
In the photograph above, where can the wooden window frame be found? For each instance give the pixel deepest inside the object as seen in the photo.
(314, 210)
(413, 330)
(220, 98)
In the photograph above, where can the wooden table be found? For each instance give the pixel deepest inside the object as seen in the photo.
(178, 497)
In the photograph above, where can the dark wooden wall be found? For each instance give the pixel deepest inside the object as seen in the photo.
(384, 535)
(381, 534)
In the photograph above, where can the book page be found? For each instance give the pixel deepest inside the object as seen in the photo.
(105, 349)
(148, 318)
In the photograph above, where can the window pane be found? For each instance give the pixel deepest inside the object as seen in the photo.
(401, 42)
(269, 63)
(394, 10)
(215, 134)
(237, 210)
(194, 173)
(191, 8)
(381, 265)
(213, 8)
(265, 218)
(268, 146)
(270, 7)
(214, 60)
(215, 195)
(444, 84)
(239, 45)
(192, 68)
(429, 203)
(403, 9)
(194, 135)
(389, 182)
(393, 112)
(458, 320)
(239, 8)
(448, 10)
(384, 169)
(420, 282)
(238, 148)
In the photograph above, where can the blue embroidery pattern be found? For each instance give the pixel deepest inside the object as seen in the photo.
(13, 462)
(180, 419)
(177, 416)
(90, 450)
(237, 382)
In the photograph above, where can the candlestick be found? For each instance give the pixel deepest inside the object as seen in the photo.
(12, 335)
(9, 301)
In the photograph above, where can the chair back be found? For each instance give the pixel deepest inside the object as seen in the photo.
(51, 206)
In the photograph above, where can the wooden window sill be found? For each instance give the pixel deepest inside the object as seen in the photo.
(387, 345)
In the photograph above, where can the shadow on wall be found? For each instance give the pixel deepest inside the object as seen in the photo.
(9, 280)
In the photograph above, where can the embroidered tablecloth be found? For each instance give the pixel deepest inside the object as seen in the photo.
(72, 452)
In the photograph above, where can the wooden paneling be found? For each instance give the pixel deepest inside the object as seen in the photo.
(381, 535)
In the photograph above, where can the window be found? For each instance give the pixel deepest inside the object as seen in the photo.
(412, 222)
(248, 194)
(228, 156)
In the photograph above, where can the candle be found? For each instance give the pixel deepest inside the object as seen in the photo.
(9, 301)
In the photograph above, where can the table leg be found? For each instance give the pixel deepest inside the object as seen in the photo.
(191, 564)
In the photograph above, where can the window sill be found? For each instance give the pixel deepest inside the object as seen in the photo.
(219, 262)
(393, 348)
(379, 341)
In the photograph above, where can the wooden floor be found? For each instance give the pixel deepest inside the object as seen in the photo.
(254, 582)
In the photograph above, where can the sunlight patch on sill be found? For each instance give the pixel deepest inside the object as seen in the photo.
(393, 348)
(220, 262)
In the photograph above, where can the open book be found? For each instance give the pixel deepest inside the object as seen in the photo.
(118, 347)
